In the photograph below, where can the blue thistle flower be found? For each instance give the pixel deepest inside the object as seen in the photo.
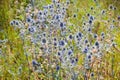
(89, 29)
(34, 62)
(16, 22)
(55, 39)
(11, 23)
(102, 34)
(61, 43)
(64, 49)
(70, 52)
(90, 21)
(57, 17)
(76, 59)
(80, 34)
(72, 61)
(70, 36)
(59, 53)
(40, 13)
(85, 50)
(28, 20)
(96, 44)
(43, 40)
(31, 29)
(91, 18)
(89, 56)
(86, 41)
(57, 67)
(55, 44)
(61, 24)
(95, 35)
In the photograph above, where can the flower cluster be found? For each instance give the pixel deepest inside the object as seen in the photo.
(49, 35)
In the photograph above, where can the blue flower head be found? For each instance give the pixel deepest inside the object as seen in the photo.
(89, 56)
(15, 22)
(43, 40)
(86, 41)
(61, 24)
(40, 12)
(61, 43)
(95, 35)
(55, 39)
(55, 44)
(80, 34)
(102, 34)
(89, 29)
(70, 52)
(76, 59)
(51, 6)
(72, 61)
(58, 5)
(34, 62)
(57, 17)
(11, 23)
(90, 21)
(57, 67)
(91, 18)
(70, 36)
(64, 49)
(85, 50)
(31, 29)
(28, 20)
(59, 53)
(96, 44)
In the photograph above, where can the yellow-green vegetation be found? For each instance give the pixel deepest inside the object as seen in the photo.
(15, 64)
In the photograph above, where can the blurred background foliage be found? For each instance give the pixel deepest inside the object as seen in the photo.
(12, 9)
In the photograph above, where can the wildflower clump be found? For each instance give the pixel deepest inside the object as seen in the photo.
(54, 49)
